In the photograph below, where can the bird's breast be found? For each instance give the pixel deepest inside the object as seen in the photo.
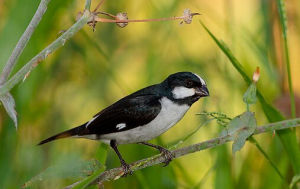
(169, 115)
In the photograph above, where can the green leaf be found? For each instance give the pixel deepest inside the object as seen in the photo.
(101, 153)
(223, 170)
(269, 110)
(89, 179)
(295, 180)
(240, 128)
(9, 105)
(283, 22)
(250, 95)
(101, 156)
(282, 17)
(287, 136)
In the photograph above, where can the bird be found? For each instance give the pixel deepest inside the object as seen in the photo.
(142, 115)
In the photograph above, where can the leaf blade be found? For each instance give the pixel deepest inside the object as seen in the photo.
(9, 105)
(240, 128)
(287, 136)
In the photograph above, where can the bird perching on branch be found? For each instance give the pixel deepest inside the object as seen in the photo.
(143, 115)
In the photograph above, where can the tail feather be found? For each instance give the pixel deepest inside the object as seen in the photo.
(69, 133)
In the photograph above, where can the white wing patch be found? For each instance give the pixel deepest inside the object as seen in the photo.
(91, 121)
(169, 115)
(201, 80)
(182, 92)
(121, 126)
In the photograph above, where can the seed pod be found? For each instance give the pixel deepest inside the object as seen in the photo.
(187, 16)
(120, 17)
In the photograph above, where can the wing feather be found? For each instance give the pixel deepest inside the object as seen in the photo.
(132, 111)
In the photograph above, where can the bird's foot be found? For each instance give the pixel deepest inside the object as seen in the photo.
(126, 169)
(168, 155)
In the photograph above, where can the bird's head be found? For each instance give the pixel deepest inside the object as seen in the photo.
(185, 87)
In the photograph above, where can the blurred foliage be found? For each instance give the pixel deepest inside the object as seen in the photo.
(94, 69)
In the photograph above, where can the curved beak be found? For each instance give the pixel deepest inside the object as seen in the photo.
(202, 91)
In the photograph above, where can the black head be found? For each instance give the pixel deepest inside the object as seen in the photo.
(185, 87)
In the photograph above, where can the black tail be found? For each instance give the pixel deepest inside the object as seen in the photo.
(69, 133)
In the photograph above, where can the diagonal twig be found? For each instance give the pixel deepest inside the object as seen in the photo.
(98, 6)
(23, 72)
(11, 62)
(87, 5)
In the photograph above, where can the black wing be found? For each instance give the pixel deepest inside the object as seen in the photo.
(133, 111)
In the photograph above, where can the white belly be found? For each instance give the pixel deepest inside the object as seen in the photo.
(169, 115)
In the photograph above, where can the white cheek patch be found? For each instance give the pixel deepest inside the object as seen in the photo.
(183, 92)
(201, 80)
(121, 126)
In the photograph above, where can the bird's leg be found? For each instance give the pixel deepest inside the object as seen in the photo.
(168, 155)
(125, 166)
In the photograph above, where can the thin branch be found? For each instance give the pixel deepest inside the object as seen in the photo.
(87, 5)
(116, 173)
(11, 62)
(105, 13)
(23, 73)
(87, 17)
(105, 20)
(99, 5)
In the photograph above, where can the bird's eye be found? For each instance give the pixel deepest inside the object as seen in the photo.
(189, 84)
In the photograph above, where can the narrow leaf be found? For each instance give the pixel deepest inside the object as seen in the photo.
(269, 110)
(89, 179)
(250, 95)
(9, 105)
(295, 180)
(283, 22)
(101, 153)
(287, 136)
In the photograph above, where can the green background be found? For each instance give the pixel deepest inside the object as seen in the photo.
(95, 69)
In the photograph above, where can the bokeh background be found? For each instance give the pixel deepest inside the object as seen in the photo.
(94, 69)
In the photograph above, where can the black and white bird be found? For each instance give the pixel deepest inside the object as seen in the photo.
(143, 115)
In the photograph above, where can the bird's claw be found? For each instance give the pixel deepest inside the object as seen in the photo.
(168, 155)
(126, 169)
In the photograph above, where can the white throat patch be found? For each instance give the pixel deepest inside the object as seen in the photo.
(182, 92)
(201, 80)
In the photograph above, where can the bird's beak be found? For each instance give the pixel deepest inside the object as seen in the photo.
(202, 91)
